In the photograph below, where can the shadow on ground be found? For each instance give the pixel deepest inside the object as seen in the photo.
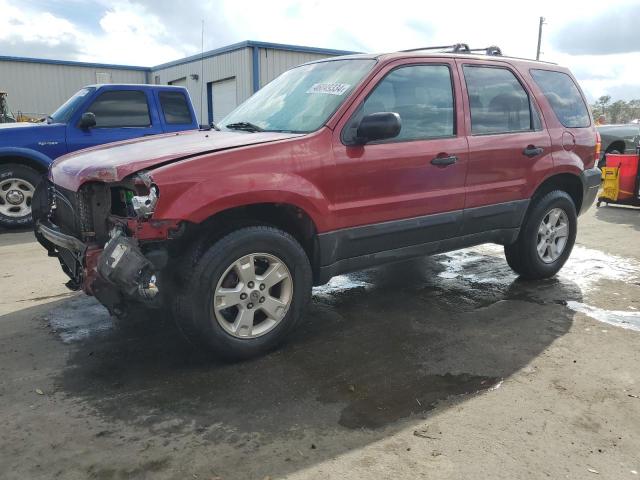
(15, 236)
(620, 215)
(376, 350)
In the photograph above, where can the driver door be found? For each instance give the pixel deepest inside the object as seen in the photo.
(120, 115)
(414, 183)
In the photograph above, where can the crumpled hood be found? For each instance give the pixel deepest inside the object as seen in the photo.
(113, 162)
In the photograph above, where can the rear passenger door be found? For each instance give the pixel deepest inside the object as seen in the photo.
(509, 150)
(120, 115)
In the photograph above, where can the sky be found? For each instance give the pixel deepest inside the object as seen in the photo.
(598, 40)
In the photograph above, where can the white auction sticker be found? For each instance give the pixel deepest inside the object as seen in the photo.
(329, 88)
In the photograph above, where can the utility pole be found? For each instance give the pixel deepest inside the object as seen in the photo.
(539, 37)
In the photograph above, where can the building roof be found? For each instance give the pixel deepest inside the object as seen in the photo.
(210, 53)
(5, 58)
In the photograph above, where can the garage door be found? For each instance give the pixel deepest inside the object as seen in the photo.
(223, 98)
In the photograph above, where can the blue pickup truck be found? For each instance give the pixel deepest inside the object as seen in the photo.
(95, 115)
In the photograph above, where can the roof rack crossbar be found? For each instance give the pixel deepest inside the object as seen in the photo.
(460, 48)
(455, 48)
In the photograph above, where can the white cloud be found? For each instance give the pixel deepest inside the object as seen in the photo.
(128, 35)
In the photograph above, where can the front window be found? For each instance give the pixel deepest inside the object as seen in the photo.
(423, 97)
(121, 109)
(64, 112)
(302, 99)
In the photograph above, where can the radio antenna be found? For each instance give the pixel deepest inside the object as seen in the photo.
(202, 71)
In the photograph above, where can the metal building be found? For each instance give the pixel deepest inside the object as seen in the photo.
(37, 87)
(217, 80)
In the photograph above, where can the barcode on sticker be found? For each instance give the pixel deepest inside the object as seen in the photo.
(329, 88)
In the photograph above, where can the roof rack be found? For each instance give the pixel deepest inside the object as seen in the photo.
(460, 48)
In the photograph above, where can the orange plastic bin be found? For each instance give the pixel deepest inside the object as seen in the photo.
(628, 164)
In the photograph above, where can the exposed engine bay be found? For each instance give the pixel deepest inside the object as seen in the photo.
(104, 237)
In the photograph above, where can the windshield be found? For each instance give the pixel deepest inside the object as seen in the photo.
(64, 112)
(301, 99)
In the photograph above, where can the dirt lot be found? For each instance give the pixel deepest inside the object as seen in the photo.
(447, 367)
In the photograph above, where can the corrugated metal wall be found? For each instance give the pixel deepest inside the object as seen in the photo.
(274, 62)
(236, 64)
(40, 88)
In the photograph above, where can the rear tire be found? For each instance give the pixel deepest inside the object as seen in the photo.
(17, 186)
(236, 315)
(546, 238)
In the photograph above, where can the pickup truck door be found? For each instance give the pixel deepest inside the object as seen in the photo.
(414, 183)
(120, 115)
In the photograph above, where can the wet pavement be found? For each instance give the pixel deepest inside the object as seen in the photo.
(378, 354)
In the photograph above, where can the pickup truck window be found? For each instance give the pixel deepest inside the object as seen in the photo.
(564, 97)
(423, 97)
(64, 112)
(122, 108)
(174, 108)
(303, 98)
(497, 101)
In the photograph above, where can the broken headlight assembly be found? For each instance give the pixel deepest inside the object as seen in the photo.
(144, 205)
(136, 198)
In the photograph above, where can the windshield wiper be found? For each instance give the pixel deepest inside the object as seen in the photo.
(246, 126)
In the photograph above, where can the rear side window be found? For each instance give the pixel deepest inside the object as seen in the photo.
(564, 97)
(497, 101)
(175, 108)
(423, 97)
(124, 108)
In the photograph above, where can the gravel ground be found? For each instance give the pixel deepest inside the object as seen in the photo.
(443, 368)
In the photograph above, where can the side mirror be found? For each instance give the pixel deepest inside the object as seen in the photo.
(378, 126)
(87, 121)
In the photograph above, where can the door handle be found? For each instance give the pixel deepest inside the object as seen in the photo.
(444, 161)
(532, 151)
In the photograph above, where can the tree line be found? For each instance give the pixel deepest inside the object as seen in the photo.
(619, 111)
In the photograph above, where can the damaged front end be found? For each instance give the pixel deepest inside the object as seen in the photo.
(106, 238)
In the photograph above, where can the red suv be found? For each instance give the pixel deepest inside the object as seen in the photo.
(334, 166)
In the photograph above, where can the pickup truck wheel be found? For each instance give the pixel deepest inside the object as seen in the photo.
(17, 185)
(546, 237)
(246, 293)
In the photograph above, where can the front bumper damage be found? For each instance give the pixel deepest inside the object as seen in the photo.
(119, 273)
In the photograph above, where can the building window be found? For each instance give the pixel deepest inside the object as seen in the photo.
(103, 77)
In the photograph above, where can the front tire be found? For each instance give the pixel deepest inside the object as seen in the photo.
(546, 238)
(246, 293)
(17, 186)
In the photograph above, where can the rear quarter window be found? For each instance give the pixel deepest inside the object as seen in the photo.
(175, 108)
(564, 97)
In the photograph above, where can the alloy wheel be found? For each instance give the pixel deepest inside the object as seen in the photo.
(253, 295)
(553, 234)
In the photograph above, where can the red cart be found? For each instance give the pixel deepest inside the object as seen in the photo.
(621, 180)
